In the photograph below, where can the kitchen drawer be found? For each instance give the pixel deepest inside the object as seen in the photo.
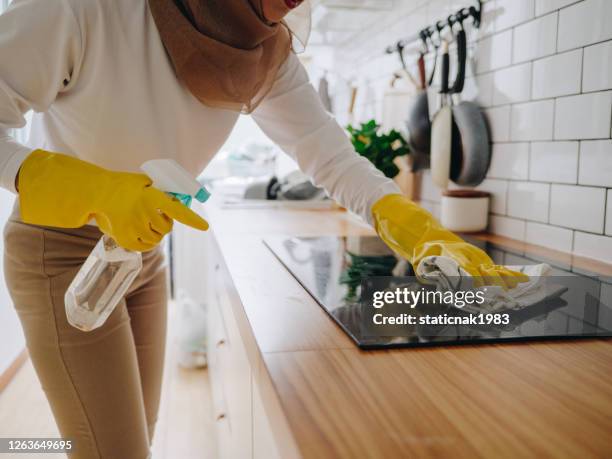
(264, 445)
(215, 361)
(243, 429)
(224, 437)
(236, 378)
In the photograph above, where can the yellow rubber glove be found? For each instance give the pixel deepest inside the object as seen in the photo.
(414, 234)
(66, 192)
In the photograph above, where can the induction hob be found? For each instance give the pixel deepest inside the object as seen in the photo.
(332, 269)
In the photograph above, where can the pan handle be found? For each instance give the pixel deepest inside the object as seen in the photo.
(445, 69)
(461, 39)
(421, 65)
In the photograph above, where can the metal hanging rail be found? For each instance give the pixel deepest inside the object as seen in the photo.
(437, 28)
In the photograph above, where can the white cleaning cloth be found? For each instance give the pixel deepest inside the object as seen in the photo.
(446, 274)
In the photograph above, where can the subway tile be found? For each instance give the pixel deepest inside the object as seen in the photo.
(593, 246)
(498, 119)
(512, 84)
(498, 190)
(494, 52)
(609, 214)
(586, 116)
(578, 207)
(484, 85)
(546, 6)
(532, 121)
(489, 13)
(513, 12)
(597, 71)
(596, 163)
(585, 23)
(437, 9)
(535, 39)
(479, 89)
(557, 75)
(554, 162)
(508, 227)
(509, 161)
(552, 237)
(528, 200)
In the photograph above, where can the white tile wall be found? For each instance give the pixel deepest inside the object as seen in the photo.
(554, 162)
(509, 227)
(549, 236)
(479, 89)
(513, 12)
(498, 190)
(495, 52)
(535, 39)
(543, 75)
(596, 163)
(585, 23)
(557, 75)
(609, 214)
(509, 161)
(528, 200)
(546, 6)
(499, 123)
(586, 116)
(578, 207)
(593, 246)
(532, 121)
(597, 67)
(511, 85)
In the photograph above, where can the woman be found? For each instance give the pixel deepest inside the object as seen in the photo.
(115, 83)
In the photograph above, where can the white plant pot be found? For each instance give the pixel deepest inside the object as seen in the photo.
(465, 211)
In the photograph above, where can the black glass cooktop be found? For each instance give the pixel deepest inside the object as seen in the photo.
(337, 270)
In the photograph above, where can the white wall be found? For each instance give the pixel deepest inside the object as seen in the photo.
(543, 73)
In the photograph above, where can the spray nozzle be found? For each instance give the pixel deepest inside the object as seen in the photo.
(169, 176)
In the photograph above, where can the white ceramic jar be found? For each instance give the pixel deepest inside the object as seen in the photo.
(465, 211)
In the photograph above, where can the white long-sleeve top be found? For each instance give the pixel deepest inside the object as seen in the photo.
(102, 88)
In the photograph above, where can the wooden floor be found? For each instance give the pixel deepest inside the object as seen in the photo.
(185, 428)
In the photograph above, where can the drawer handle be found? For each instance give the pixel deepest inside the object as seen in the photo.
(217, 266)
(221, 342)
(220, 416)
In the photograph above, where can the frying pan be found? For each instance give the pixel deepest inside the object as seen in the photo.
(418, 123)
(442, 130)
(471, 147)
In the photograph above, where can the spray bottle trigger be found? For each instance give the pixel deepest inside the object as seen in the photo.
(184, 198)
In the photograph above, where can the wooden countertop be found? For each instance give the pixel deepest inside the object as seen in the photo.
(544, 399)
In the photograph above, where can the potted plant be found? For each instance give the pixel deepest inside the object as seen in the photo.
(380, 148)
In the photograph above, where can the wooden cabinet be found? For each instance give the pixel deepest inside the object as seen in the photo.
(243, 429)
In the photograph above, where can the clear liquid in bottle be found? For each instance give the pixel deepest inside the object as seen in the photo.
(100, 284)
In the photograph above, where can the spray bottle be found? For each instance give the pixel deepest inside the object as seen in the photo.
(109, 270)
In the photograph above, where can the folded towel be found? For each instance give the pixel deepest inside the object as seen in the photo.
(446, 274)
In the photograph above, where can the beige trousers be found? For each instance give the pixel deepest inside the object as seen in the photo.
(103, 386)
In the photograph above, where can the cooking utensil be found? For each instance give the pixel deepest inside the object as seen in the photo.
(441, 129)
(418, 123)
(471, 148)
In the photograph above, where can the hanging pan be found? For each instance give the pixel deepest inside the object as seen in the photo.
(418, 123)
(441, 129)
(471, 147)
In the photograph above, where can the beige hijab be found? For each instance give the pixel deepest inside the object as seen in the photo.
(224, 51)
